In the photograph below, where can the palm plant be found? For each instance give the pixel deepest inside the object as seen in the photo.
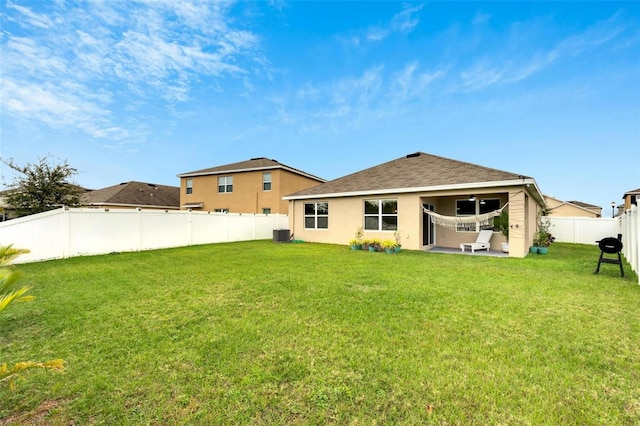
(9, 294)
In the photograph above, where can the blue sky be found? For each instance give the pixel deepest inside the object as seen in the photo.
(145, 90)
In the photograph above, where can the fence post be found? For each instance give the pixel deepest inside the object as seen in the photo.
(190, 227)
(66, 232)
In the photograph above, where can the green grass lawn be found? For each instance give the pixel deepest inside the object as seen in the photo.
(264, 333)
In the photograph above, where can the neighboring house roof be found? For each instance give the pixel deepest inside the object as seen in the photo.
(134, 194)
(632, 192)
(584, 205)
(413, 173)
(254, 164)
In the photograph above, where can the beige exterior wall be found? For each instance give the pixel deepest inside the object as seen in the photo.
(572, 211)
(558, 208)
(627, 200)
(346, 215)
(248, 195)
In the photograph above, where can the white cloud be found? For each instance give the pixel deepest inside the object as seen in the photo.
(58, 108)
(403, 21)
(481, 18)
(134, 51)
(516, 63)
(29, 17)
(356, 101)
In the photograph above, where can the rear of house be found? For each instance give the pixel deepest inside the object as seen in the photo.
(393, 196)
(253, 186)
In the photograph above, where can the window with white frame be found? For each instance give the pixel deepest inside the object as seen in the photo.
(221, 210)
(266, 210)
(466, 207)
(225, 184)
(381, 215)
(189, 186)
(316, 215)
(266, 181)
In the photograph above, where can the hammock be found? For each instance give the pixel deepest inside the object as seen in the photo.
(484, 219)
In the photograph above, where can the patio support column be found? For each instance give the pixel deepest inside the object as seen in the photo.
(518, 246)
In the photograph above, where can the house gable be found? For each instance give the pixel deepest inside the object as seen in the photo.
(556, 207)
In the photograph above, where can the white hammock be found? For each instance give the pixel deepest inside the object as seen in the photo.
(484, 219)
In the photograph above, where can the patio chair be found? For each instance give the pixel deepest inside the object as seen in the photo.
(482, 242)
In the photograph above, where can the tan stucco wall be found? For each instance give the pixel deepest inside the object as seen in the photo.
(627, 200)
(248, 195)
(572, 211)
(346, 216)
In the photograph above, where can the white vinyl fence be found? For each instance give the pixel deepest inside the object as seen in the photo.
(582, 230)
(69, 232)
(630, 230)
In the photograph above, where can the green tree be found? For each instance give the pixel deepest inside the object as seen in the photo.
(9, 293)
(42, 186)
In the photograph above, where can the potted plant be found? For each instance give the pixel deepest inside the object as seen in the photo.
(375, 245)
(389, 246)
(356, 243)
(366, 243)
(398, 239)
(502, 224)
(543, 238)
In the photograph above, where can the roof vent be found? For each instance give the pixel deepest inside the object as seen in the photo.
(415, 154)
(257, 158)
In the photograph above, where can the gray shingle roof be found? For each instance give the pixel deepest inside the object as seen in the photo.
(418, 170)
(585, 205)
(253, 164)
(134, 194)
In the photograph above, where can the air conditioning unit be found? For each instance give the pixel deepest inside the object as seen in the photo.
(281, 236)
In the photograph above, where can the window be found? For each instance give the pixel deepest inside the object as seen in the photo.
(221, 210)
(381, 215)
(316, 215)
(189, 186)
(266, 181)
(487, 206)
(470, 208)
(266, 210)
(225, 184)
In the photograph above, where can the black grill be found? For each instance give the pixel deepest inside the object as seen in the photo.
(610, 245)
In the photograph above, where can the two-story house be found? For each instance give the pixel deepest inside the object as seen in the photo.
(253, 186)
(631, 198)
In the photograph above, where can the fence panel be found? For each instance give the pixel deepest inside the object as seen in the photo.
(75, 232)
(630, 230)
(582, 230)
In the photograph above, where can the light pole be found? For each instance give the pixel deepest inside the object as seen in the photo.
(613, 209)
